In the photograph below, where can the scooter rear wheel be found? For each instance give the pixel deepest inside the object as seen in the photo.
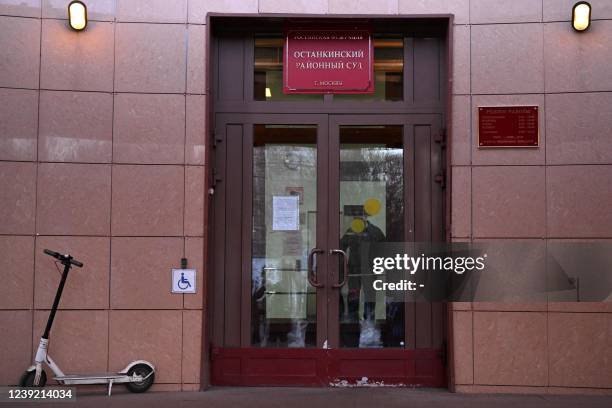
(143, 370)
(27, 379)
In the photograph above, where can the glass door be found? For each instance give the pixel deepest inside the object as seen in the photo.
(298, 201)
(369, 188)
(270, 213)
(286, 265)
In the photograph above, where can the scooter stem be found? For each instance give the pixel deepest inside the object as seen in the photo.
(58, 296)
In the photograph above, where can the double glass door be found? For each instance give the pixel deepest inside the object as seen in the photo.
(298, 200)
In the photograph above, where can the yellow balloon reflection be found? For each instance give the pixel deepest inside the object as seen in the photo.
(357, 225)
(372, 206)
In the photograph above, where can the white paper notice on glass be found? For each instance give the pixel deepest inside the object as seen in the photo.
(285, 213)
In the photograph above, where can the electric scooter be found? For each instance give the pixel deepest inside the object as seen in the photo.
(138, 376)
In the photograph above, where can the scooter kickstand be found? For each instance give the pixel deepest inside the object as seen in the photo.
(38, 374)
(110, 387)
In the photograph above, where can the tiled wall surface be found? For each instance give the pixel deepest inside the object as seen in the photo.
(102, 154)
(526, 53)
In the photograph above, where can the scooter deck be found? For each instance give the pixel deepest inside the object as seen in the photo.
(101, 378)
(91, 378)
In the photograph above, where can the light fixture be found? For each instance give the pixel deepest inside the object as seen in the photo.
(268, 93)
(581, 16)
(77, 15)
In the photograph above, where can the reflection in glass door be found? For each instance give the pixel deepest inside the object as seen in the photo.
(371, 197)
(284, 186)
(370, 193)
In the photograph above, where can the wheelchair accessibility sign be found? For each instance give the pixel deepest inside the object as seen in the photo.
(183, 281)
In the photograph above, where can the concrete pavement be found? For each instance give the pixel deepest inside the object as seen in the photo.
(253, 397)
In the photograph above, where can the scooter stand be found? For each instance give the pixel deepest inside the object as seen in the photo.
(38, 374)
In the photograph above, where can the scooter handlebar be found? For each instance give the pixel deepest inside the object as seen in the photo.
(76, 263)
(63, 258)
(51, 253)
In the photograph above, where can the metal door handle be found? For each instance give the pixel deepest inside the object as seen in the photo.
(345, 264)
(312, 273)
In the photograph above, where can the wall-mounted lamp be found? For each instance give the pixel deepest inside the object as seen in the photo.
(581, 16)
(77, 15)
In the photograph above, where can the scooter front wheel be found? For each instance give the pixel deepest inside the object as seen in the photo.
(142, 370)
(27, 379)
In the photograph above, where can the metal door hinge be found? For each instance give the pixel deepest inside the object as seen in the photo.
(440, 178)
(216, 178)
(441, 138)
(216, 140)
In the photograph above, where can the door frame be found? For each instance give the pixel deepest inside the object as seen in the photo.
(318, 366)
(419, 23)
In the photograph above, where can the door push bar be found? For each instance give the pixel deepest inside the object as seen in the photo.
(312, 272)
(345, 269)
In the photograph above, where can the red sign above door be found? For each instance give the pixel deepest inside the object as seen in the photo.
(328, 61)
(508, 126)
